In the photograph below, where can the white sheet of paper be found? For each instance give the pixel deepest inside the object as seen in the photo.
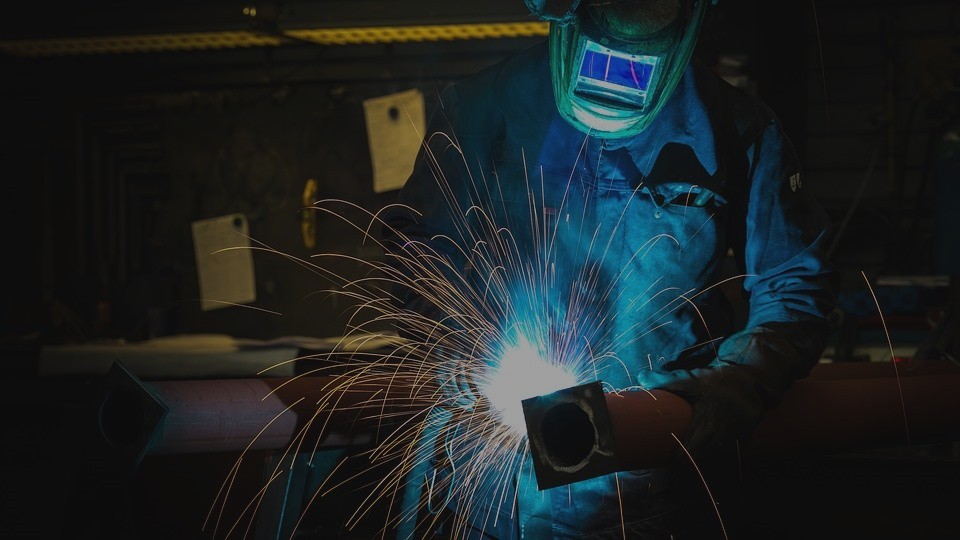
(224, 261)
(395, 125)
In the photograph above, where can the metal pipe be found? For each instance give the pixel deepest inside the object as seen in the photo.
(883, 406)
(838, 407)
(222, 415)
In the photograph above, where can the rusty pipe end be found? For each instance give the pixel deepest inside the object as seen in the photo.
(580, 432)
(570, 434)
(129, 415)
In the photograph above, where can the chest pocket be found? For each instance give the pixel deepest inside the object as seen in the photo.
(683, 197)
(692, 216)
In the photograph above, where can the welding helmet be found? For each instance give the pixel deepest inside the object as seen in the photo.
(614, 63)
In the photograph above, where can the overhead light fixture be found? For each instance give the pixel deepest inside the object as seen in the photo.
(187, 41)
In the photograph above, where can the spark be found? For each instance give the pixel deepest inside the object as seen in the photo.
(235, 304)
(706, 485)
(893, 356)
(509, 321)
(232, 475)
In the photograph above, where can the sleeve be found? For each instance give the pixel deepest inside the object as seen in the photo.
(428, 234)
(414, 228)
(427, 238)
(790, 284)
(791, 288)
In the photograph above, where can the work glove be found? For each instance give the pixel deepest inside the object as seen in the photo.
(443, 346)
(729, 396)
(456, 382)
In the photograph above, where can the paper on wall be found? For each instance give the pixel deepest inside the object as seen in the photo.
(224, 261)
(395, 125)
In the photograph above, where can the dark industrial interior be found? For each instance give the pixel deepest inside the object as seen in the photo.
(125, 123)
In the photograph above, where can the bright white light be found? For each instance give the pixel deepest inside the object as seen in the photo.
(522, 373)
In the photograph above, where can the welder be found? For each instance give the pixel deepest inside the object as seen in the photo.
(616, 156)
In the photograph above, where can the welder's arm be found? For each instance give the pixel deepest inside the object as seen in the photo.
(791, 290)
(752, 371)
(429, 234)
(424, 233)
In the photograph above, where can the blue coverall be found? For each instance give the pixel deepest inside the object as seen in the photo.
(627, 240)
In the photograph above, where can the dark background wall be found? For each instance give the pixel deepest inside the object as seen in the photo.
(110, 157)
(106, 158)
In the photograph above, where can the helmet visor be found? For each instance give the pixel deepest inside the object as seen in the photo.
(610, 82)
(615, 78)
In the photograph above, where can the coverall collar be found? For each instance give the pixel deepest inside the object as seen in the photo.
(684, 119)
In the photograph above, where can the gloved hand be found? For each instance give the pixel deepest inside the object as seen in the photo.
(442, 341)
(729, 396)
(455, 380)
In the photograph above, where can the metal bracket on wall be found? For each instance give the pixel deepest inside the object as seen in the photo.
(308, 214)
